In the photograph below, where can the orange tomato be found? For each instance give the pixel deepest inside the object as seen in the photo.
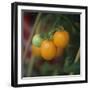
(36, 51)
(61, 39)
(48, 50)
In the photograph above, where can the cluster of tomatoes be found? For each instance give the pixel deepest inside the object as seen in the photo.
(48, 49)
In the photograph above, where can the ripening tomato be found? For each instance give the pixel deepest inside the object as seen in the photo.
(37, 40)
(48, 50)
(61, 39)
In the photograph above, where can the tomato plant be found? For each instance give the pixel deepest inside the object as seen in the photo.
(56, 44)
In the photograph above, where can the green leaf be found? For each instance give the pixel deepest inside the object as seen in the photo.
(72, 68)
(46, 69)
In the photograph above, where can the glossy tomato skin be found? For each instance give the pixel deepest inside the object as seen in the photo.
(61, 39)
(37, 40)
(48, 50)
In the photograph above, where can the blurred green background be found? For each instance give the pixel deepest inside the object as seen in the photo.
(69, 62)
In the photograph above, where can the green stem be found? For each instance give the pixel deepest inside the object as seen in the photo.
(53, 26)
(77, 56)
(67, 19)
(36, 29)
(30, 37)
(30, 66)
